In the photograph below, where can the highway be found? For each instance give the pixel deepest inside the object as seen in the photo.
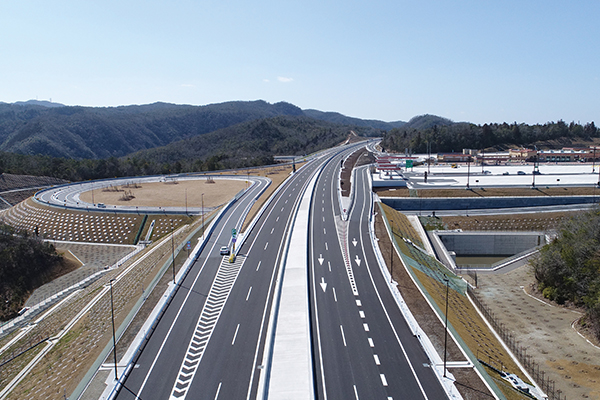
(210, 341)
(363, 348)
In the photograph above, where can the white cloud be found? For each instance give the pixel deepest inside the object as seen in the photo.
(283, 79)
(266, 81)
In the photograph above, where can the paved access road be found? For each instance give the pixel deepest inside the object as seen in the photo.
(210, 341)
(363, 347)
(68, 195)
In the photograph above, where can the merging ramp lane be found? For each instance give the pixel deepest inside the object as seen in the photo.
(363, 348)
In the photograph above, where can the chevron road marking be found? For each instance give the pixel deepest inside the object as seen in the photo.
(217, 296)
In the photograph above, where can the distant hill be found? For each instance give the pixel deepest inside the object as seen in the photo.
(248, 144)
(338, 118)
(427, 121)
(252, 143)
(44, 128)
(41, 103)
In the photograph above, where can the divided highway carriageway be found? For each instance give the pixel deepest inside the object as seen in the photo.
(211, 341)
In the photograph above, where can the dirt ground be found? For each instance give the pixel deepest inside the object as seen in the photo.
(546, 329)
(360, 157)
(170, 194)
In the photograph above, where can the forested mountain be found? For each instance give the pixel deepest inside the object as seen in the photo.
(92, 132)
(338, 118)
(445, 135)
(254, 143)
(247, 144)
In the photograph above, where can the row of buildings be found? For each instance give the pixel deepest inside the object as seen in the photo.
(566, 154)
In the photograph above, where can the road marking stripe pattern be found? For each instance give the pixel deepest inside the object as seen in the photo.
(215, 301)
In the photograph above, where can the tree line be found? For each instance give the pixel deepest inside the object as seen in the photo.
(568, 269)
(89, 169)
(450, 136)
(249, 144)
(26, 262)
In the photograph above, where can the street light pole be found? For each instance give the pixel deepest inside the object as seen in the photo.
(446, 327)
(112, 313)
(173, 251)
(202, 216)
(392, 252)
(482, 159)
(468, 170)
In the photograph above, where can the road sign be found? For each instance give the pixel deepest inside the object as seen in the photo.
(233, 232)
(409, 163)
(189, 245)
(233, 240)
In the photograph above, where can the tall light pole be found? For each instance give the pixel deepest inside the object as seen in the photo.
(482, 159)
(428, 156)
(534, 161)
(112, 313)
(186, 201)
(172, 251)
(392, 252)
(468, 169)
(202, 216)
(446, 327)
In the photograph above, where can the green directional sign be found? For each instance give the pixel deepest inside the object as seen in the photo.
(233, 232)
(409, 163)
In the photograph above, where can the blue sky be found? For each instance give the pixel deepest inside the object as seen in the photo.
(479, 61)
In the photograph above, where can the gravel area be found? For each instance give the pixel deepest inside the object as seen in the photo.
(546, 330)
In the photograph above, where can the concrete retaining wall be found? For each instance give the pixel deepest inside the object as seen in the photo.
(485, 243)
(471, 203)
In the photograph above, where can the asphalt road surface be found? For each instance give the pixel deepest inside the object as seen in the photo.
(363, 346)
(212, 336)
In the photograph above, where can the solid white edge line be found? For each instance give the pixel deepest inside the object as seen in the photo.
(381, 301)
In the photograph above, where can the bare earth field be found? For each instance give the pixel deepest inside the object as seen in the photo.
(170, 194)
(546, 330)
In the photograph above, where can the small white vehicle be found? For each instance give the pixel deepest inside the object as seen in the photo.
(224, 251)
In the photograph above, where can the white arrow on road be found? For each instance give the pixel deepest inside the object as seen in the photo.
(321, 259)
(323, 284)
(354, 242)
(357, 260)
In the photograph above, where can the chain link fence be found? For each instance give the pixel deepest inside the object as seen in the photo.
(547, 385)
